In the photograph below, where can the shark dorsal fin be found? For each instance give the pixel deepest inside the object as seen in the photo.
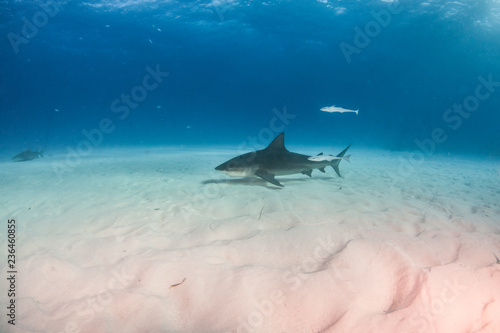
(278, 143)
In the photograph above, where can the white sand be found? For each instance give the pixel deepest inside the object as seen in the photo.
(382, 249)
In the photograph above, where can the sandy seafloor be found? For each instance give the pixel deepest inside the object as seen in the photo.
(155, 240)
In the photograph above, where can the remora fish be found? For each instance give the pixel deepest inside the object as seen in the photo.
(27, 155)
(276, 160)
(320, 157)
(334, 108)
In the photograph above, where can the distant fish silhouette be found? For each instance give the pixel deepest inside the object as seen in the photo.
(28, 155)
(334, 108)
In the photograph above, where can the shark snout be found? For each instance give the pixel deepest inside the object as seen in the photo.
(220, 167)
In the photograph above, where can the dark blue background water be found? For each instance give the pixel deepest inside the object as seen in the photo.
(231, 62)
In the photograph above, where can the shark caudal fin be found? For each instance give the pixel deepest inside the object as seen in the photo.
(335, 163)
(42, 151)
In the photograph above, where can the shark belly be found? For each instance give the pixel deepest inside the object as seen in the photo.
(289, 171)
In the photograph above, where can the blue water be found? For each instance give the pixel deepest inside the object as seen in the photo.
(68, 66)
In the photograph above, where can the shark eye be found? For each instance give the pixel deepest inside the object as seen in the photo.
(232, 166)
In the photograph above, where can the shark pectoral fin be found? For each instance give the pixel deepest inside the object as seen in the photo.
(268, 177)
(322, 170)
(307, 172)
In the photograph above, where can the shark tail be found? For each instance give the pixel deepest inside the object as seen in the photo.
(42, 151)
(335, 163)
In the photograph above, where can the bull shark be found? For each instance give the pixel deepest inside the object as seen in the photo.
(27, 155)
(276, 160)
